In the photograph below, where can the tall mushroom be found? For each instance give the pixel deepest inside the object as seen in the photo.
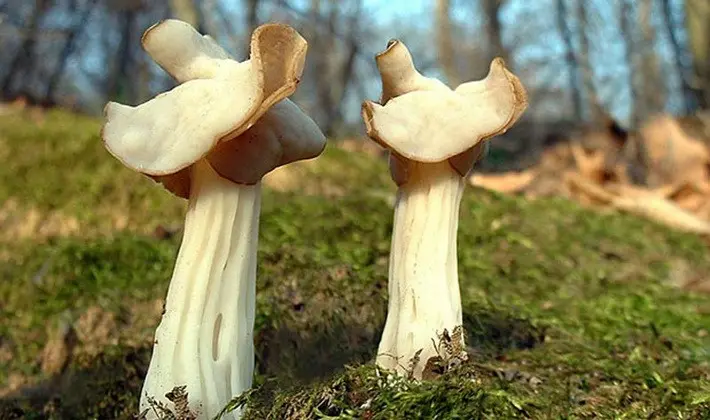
(434, 135)
(210, 140)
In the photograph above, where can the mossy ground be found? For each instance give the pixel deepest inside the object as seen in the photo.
(569, 313)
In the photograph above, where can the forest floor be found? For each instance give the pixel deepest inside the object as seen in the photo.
(568, 312)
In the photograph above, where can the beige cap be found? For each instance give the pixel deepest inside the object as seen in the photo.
(235, 114)
(421, 119)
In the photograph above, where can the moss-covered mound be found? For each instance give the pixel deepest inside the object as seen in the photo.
(568, 313)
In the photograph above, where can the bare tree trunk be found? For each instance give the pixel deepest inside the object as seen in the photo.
(67, 51)
(627, 24)
(347, 70)
(252, 17)
(332, 57)
(185, 10)
(491, 9)
(697, 15)
(595, 108)
(324, 68)
(212, 16)
(119, 81)
(571, 59)
(24, 56)
(447, 56)
(652, 84)
(690, 98)
(321, 52)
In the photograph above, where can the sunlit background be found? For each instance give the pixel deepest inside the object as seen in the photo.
(627, 58)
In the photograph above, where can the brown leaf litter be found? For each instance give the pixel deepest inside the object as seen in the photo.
(661, 172)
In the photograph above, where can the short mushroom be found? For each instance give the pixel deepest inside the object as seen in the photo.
(210, 140)
(434, 135)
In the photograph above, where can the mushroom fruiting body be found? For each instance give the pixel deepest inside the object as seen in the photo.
(434, 135)
(210, 140)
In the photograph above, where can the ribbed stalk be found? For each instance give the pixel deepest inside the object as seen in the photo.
(205, 337)
(424, 297)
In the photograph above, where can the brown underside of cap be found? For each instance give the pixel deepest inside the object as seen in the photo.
(400, 77)
(278, 53)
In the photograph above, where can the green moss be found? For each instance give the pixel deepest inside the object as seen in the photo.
(569, 313)
(60, 165)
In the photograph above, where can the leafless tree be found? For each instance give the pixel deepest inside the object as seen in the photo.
(627, 26)
(25, 56)
(652, 100)
(573, 66)
(492, 11)
(445, 43)
(593, 103)
(68, 50)
(252, 14)
(185, 10)
(690, 96)
(332, 58)
(697, 15)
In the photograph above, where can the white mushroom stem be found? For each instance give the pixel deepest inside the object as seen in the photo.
(424, 297)
(205, 338)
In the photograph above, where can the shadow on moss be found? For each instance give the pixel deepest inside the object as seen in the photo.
(104, 387)
(336, 366)
(494, 332)
(306, 357)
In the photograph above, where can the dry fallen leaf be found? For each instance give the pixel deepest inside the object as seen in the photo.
(672, 155)
(507, 182)
(649, 205)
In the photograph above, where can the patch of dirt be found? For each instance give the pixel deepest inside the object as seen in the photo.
(298, 176)
(4, 149)
(20, 221)
(15, 382)
(361, 145)
(17, 222)
(59, 349)
(683, 276)
(104, 387)
(6, 351)
(96, 328)
(138, 326)
(85, 339)
(22, 105)
(133, 326)
(13, 107)
(6, 255)
(286, 178)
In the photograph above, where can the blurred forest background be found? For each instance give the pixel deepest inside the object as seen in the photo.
(611, 65)
(580, 59)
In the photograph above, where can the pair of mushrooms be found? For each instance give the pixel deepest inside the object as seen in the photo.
(213, 137)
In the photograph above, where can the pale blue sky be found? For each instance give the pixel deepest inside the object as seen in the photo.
(529, 31)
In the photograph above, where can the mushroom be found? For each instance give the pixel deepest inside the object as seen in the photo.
(210, 140)
(434, 135)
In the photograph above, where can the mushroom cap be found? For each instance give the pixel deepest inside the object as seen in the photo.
(421, 119)
(281, 136)
(199, 56)
(220, 101)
